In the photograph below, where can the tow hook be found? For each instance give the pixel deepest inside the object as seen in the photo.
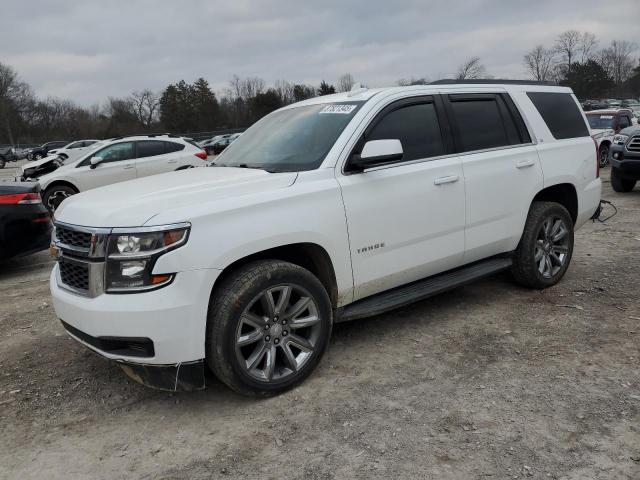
(596, 215)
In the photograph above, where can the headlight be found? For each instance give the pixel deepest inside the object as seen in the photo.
(620, 139)
(132, 255)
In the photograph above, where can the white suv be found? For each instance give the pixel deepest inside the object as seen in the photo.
(331, 209)
(111, 161)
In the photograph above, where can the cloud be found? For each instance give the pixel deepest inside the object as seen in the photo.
(89, 50)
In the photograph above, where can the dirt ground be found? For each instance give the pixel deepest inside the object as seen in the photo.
(487, 381)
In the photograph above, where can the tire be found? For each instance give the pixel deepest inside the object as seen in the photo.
(545, 249)
(240, 333)
(38, 156)
(3, 162)
(603, 155)
(619, 183)
(54, 195)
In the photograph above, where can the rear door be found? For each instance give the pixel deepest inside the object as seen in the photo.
(502, 172)
(151, 158)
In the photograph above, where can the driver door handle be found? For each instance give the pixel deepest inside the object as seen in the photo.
(525, 163)
(447, 179)
(128, 167)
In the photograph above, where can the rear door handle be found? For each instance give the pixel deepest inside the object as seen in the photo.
(128, 167)
(172, 161)
(447, 179)
(525, 163)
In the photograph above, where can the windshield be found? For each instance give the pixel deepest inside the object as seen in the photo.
(291, 140)
(600, 121)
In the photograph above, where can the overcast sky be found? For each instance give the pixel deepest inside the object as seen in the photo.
(88, 50)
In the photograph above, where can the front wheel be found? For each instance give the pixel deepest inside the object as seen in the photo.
(38, 156)
(268, 326)
(53, 196)
(3, 162)
(546, 246)
(619, 183)
(604, 155)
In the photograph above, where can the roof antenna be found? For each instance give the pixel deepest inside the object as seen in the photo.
(356, 89)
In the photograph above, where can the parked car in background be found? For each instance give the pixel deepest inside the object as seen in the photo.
(73, 149)
(613, 102)
(625, 159)
(335, 208)
(25, 226)
(604, 125)
(7, 154)
(112, 161)
(211, 140)
(217, 147)
(43, 150)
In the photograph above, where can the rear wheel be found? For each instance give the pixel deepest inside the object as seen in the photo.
(3, 162)
(268, 326)
(619, 183)
(604, 155)
(54, 195)
(546, 246)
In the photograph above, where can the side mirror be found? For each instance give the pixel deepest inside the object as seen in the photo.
(95, 161)
(377, 152)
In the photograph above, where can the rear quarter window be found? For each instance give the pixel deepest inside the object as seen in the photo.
(561, 114)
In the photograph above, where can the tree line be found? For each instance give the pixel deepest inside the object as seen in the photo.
(576, 60)
(180, 108)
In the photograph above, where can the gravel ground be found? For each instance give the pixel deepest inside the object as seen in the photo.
(487, 381)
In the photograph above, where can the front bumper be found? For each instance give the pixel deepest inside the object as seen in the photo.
(160, 329)
(626, 163)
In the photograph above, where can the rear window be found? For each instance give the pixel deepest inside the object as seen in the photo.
(170, 147)
(485, 121)
(561, 114)
(150, 148)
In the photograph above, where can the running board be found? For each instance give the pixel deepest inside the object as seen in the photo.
(398, 297)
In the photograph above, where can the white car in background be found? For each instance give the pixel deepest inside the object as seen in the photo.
(73, 149)
(113, 161)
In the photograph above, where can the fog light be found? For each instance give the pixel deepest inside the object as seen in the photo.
(133, 269)
(616, 155)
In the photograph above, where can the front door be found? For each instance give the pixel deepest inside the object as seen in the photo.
(406, 219)
(118, 165)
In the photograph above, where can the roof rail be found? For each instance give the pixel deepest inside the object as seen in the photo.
(492, 81)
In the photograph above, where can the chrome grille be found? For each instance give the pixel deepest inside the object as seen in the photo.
(73, 238)
(75, 274)
(634, 144)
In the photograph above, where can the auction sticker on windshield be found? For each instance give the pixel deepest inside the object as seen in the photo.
(339, 108)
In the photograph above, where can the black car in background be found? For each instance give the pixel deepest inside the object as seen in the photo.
(25, 225)
(7, 154)
(40, 152)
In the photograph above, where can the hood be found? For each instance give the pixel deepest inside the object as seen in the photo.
(600, 132)
(135, 202)
(38, 163)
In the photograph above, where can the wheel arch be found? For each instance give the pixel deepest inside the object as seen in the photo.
(65, 183)
(310, 256)
(563, 193)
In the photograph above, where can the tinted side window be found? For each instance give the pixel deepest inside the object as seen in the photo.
(561, 114)
(116, 153)
(624, 122)
(170, 147)
(417, 128)
(149, 148)
(480, 123)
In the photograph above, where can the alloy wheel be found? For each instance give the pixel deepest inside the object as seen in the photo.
(604, 156)
(55, 199)
(552, 246)
(277, 333)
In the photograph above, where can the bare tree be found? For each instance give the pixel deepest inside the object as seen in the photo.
(285, 91)
(539, 62)
(587, 46)
(568, 45)
(617, 61)
(15, 98)
(471, 69)
(145, 106)
(345, 83)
